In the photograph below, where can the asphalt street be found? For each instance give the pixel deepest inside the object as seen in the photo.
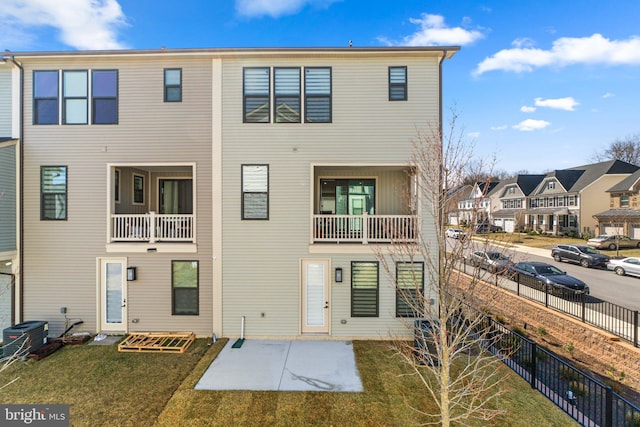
(603, 283)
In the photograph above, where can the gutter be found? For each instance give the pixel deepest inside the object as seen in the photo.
(20, 192)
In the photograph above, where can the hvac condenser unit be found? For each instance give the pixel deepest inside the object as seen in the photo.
(24, 337)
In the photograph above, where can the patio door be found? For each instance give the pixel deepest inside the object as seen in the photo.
(315, 296)
(113, 295)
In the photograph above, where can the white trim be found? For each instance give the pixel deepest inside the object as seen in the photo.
(100, 262)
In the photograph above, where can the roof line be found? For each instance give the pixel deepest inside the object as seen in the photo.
(448, 51)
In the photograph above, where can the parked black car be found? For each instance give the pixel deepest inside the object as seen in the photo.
(487, 228)
(554, 280)
(584, 255)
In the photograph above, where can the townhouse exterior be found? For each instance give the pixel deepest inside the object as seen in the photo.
(623, 215)
(192, 189)
(9, 148)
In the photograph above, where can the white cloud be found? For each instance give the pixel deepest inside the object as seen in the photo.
(531, 125)
(608, 95)
(595, 49)
(527, 109)
(501, 127)
(82, 24)
(567, 103)
(276, 8)
(433, 31)
(473, 134)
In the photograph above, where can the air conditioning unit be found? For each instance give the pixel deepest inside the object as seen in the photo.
(24, 337)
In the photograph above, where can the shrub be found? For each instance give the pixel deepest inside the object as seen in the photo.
(541, 331)
(569, 348)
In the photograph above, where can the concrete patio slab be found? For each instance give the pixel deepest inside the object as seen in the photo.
(284, 366)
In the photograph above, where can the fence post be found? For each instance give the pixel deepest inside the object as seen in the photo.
(546, 295)
(635, 328)
(584, 304)
(534, 364)
(518, 285)
(608, 421)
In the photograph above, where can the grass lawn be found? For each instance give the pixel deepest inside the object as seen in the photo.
(105, 387)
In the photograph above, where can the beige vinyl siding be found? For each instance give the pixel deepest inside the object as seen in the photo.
(261, 272)
(595, 199)
(59, 267)
(5, 102)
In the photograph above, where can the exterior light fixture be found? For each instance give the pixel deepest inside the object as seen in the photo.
(339, 274)
(131, 274)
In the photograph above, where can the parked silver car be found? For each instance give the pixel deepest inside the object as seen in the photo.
(494, 262)
(624, 266)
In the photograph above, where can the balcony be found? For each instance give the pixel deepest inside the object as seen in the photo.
(152, 227)
(365, 229)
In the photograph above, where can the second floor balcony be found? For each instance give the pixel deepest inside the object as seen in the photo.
(364, 204)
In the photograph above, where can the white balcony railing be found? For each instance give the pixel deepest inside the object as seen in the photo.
(365, 228)
(152, 227)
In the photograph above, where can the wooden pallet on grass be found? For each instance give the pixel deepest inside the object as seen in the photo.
(154, 342)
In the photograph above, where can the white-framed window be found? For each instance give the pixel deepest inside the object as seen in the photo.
(571, 200)
(624, 200)
(551, 185)
(75, 96)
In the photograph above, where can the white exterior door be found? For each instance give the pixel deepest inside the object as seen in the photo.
(315, 296)
(113, 295)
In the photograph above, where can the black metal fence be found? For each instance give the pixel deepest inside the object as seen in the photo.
(615, 319)
(585, 399)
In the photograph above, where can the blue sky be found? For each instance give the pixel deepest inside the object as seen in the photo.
(537, 85)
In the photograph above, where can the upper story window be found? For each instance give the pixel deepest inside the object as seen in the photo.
(624, 200)
(317, 92)
(512, 190)
(105, 97)
(571, 201)
(172, 85)
(397, 83)
(287, 95)
(255, 192)
(551, 185)
(75, 104)
(53, 193)
(45, 97)
(256, 95)
(75, 87)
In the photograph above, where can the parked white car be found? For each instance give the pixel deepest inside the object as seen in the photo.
(455, 233)
(625, 266)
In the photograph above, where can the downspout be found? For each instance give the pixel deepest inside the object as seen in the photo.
(441, 207)
(20, 193)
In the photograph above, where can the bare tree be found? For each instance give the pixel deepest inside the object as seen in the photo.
(626, 149)
(451, 362)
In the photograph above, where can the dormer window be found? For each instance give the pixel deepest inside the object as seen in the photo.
(624, 200)
(551, 185)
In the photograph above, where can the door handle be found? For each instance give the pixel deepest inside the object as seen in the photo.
(326, 304)
(124, 303)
